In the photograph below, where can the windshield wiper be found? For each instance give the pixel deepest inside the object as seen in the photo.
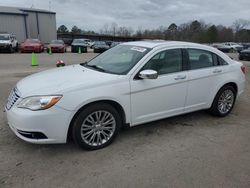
(84, 64)
(96, 67)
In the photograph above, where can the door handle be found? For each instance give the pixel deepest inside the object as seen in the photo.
(180, 77)
(217, 71)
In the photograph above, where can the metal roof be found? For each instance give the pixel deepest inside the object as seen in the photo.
(22, 11)
(11, 10)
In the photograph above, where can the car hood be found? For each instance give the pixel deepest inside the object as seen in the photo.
(62, 80)
(101, 46)
(237, 46)
(222, 46)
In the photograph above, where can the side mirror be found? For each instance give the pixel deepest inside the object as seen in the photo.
(148, 74)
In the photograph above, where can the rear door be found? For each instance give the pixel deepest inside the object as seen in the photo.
(204, 75)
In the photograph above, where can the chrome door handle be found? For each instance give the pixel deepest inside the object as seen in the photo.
(217, 71)
(180, 77)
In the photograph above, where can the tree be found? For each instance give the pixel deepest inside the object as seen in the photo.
(113, 28)
(212, 34)
(106, 29)
(171, 32)
(172, 27)
(76, 30)
(62, 29)
(242, 35)
(240, 24)
(225, 34)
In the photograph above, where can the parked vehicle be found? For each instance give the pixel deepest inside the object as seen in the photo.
(79, 44)
(100, 46)
(245, 45)
(56, 46)
(130, 84)
(244, 54)
(234, 46)
(8, 42)
(108, 42)
(114, 44)
(32, 45)
(222, 47)
(89, 42)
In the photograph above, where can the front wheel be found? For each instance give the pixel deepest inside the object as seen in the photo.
(96, 126)
(11, 50)
(223, 102)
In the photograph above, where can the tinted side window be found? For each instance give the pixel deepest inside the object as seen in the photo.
(199, 58)
(168, 61)
(221, 61)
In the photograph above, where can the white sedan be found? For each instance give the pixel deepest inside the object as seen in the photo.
(130, 84)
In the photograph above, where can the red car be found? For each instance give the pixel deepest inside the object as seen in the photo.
(56, 46)
(32, 45)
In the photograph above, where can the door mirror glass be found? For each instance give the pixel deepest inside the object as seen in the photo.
(148, 74)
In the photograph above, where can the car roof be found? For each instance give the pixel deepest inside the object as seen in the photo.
(176, 44)
(161, 43)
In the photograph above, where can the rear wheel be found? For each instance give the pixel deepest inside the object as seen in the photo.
(96, 126)
(223, 102)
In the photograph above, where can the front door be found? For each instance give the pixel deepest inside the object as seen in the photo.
(153, 99)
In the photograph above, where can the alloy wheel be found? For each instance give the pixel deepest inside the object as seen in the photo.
(98, 127)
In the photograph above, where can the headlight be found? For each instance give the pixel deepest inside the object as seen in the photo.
(39, 102)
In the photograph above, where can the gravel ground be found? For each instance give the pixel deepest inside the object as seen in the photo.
(192, 150)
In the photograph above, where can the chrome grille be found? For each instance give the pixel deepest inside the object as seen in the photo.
(13, 97)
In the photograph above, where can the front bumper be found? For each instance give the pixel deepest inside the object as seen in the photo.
(75, 49)
(56, 50)
(53, 123)
(30, 50)
(4, 47)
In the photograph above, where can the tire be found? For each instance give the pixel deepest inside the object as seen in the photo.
(11, 50)
(240, 58)
(91, 134)
(16, 49)
(221, 106)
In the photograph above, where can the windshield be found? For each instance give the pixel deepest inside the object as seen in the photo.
(118, 60)
(100, 43)
(4, 37)
(79, 41)
(57, 42)
(32, 41)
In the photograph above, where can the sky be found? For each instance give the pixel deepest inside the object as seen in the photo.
(144, 14)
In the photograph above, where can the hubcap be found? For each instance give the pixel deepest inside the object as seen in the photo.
(98, 127)
(226, 101)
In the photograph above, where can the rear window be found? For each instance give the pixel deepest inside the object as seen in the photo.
(222, 61)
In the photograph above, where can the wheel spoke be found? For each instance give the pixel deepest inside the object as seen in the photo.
(105, 135)
(110, 121)
(86, 135)
(90, 119)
